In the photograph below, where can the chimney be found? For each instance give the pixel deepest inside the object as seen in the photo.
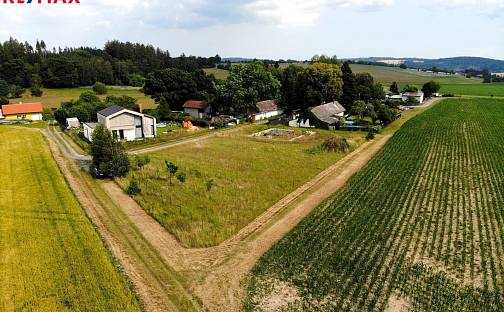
(140, 108)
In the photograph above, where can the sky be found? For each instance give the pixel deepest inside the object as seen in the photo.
(273, 29)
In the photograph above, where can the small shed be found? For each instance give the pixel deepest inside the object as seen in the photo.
(197, 109)
(89, 128)
(73, 123)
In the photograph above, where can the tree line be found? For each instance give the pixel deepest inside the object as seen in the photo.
(118, 63)
(297, 88)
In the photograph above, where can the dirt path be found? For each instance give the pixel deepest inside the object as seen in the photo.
(157, 285)
(183, 141)
(224, 287)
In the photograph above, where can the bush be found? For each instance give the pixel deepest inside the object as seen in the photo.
(142, 161)
(336, 144)
(133, 188)
(136, 80)
(449, 95)
(4, 100)
(371, 135)
(16, 92)
(219, 124)
(182, 177)
(36, 91)
(202, 123)
(100, 88)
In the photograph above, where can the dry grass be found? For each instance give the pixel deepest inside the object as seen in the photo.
(51, 258)
(249, 175)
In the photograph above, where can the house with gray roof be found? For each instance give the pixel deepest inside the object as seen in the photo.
(125, 124)
(324, 116)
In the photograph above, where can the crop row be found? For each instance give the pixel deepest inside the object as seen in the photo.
(432, 196)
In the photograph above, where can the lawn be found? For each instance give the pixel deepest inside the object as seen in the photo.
(52, 98)
(387, 75)
(248, 174)
(420, 228)
(51, 258)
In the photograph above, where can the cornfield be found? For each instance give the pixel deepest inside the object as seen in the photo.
(423, 221)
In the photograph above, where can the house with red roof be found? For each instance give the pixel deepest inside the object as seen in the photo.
(197, 109)
(22, 111)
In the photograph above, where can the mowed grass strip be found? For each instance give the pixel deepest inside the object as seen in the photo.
(249, 175)
(422, 221)
(474, 89)
(51, 258)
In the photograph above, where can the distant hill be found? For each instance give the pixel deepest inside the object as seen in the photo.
(452, 63)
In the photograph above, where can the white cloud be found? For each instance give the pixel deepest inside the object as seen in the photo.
(488, 7)
(286, 13)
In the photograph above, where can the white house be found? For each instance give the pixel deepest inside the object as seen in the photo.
(125, 125)
(418, 96)
(197, 109)
(266, 109)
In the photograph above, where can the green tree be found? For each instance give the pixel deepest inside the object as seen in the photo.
(4, 88)
(410, 88)
(16, 91)
(359, 109)
(289, 87)
(367, 89)
(319, 83)
(349, 86)
(172, 170)
(109, 155)
(177, 86)
(394, 88)
(100, 88)
(136, 80)
(431, 87)
(246, 85)
(124, 101)
(487, 76)
(4, 92)
(163, 110)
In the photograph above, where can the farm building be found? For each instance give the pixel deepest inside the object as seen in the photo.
(28, 111)
(324, 116)
(125, 125)
(266, 109)
(418, 96)
(197, 109)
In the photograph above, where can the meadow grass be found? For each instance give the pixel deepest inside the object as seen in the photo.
(52, 98)
(248, 174)
(221, 74)
(51, 258)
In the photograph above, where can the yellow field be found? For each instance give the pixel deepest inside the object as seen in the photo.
(51, 258)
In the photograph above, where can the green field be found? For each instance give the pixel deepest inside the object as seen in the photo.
(420, 228)
(51, 258)
(387, 75)
(52, 98)
(249, 176)
(479, 89)
(221, 74)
